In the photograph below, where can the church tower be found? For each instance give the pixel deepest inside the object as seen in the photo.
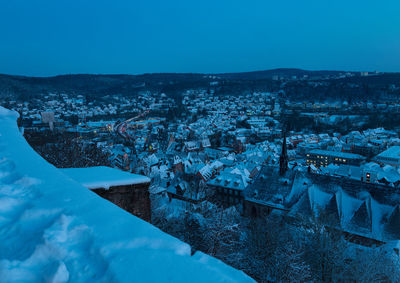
(283, 159)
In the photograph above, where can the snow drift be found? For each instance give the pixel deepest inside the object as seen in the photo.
(54, 230)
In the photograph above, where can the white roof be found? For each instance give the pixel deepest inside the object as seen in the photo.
(103, 177)
(52, 228)
(392, 153)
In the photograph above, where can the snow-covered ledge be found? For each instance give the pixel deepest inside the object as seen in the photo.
(53, 229)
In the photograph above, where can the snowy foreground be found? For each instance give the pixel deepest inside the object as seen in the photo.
(54, 230)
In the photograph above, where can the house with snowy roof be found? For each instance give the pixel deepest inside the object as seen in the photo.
(120, 156)
(148, 162)
(185, 192)
(212, 153)
(206, 172)
(227, 189)
(267, 191)
(386, 175)
(391, 156)
(191, 146)
(205, 143)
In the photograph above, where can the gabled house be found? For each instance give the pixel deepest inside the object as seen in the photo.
(227, 189)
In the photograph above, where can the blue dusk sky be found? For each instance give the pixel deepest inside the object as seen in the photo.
(51, 37)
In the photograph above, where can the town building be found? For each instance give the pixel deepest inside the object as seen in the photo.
(228, 189)
(322, 158)
(391, 156)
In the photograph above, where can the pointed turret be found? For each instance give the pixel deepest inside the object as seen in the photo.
(283, 159)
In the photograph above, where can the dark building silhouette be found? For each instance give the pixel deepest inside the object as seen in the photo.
(283, 159)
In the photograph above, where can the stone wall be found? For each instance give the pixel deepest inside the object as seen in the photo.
(133, 198)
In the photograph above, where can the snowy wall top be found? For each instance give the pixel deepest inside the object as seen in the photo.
(53, 229)
(103, 177)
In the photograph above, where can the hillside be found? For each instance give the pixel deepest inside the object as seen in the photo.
(21, 87)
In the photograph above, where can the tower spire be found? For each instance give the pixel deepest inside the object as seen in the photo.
(283, 159)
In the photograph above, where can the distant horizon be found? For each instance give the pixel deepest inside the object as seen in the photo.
(197, 73)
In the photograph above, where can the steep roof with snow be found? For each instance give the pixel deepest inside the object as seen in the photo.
(390, 156)
(53, 229)
(360, 208)
(269, 186)
(228, 181)
(356, 207)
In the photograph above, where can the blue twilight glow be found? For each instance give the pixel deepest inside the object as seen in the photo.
(49, 37)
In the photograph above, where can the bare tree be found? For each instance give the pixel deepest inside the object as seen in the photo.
(377, 264)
